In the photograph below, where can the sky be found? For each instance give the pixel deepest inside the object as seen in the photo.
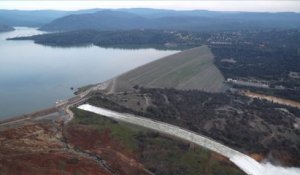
(215, 5)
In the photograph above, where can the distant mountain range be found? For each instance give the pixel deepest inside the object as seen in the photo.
(34, 18)
(37, 18)
(103, 20)
(143, 18)
(177, 20)
(5, 28)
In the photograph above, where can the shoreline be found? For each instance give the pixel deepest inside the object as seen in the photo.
(108, 84)
(63, 105)
(31, 115)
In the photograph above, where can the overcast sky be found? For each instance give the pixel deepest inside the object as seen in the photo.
(222, 5)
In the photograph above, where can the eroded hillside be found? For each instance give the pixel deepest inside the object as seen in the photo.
(92, 144)
(39, 149)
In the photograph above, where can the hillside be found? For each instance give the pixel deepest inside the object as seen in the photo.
(35, 18)
(193, 20)
(159, 39)
(5, 28)
(125, 19)
(104, 20)
(32, 18)
(261, 129)
(93, 144)
(190, 69)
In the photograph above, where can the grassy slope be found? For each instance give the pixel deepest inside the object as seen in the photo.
(190, 69)
(158, 153)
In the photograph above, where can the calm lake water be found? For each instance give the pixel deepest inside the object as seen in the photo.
(34, 77)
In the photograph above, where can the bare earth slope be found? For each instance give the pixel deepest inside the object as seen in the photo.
(190, 69)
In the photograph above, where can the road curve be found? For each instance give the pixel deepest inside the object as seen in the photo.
(244, 162)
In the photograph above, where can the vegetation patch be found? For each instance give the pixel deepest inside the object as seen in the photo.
(248, 125)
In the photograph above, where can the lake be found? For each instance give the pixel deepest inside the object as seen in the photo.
(33, 76)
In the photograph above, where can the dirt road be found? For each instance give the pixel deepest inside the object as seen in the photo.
(273, 99)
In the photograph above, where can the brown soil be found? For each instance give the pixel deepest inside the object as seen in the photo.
(273, 99)
(38, 149)
(257, 157)
(120, 160)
